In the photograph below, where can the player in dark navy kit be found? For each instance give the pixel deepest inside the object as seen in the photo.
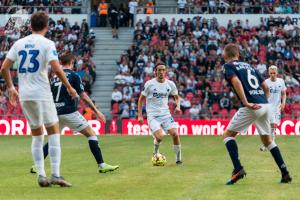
(69, 116)
(252, 91)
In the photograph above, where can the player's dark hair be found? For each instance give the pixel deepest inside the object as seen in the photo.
(158, 64)
(39, 21)
(231, 50)
(66, 58)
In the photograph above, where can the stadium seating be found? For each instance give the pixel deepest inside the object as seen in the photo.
(77, 38)
(55, 7)
(195, 63)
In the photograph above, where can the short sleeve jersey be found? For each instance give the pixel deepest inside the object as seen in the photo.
(276, 88)
(250, 78)
(63, 101)
(157, 96)
(33, 54)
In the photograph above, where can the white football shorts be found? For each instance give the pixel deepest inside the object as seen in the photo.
(39, 113)
(74, 121)
(275, 117)
(165, 122)
(244, 117)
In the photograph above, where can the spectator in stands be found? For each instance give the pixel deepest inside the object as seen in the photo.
(181, 6)
(132, 11)
(132, 108)
(194, 111)
(116, 96)
(149, 7)
(114, 21)
(103, 12)
(123, 16)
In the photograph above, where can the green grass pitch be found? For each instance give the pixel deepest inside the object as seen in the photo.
(202, 176)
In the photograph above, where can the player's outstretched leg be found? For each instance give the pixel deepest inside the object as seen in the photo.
(275, 151)
(45, 150)
(96, 151)
(176, 145)
(232, 148)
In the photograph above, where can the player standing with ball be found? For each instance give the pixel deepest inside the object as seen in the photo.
(156, 92)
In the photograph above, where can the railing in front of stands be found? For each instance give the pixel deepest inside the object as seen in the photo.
(192, 9)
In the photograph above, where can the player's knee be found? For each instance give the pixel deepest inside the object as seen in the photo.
(158, 140)
(158, 136)
(266, 140)
(229, 133)
(88, 132)
(173, 133)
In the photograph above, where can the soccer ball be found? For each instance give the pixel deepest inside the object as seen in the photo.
(159, 160)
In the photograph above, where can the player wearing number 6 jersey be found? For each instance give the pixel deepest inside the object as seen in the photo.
(252, 91)
(33, 54)
(69, 116)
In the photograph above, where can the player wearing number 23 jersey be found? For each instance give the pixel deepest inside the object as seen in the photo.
(33, 54)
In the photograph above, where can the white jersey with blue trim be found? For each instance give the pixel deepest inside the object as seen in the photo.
(157, 96)
(33, 54)
(276, 88)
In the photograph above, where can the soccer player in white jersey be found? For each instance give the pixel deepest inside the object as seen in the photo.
(156, 92)
(33, 54)
(277, 99)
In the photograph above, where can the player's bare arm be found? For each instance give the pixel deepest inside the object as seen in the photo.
(61, 75)
(237, 85)
(12, 92)
(177, 100)
(90, 103)
(140, 112)
(283, 100)
(266, 89)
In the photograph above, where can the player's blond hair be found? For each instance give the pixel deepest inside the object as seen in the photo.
(273, 67)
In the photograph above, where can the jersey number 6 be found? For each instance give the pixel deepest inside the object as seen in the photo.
(34, 54)
(252, 80)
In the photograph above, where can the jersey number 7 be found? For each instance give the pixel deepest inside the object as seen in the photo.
(34, 54)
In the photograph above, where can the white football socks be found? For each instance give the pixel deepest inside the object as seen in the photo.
(54, 153)
(37, 154)
(177, 150)
(273, 132)
(156, 146)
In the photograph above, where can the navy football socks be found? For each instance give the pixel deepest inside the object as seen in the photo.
(273, 148)
(45, 150)
(232, 149)
(95, 149)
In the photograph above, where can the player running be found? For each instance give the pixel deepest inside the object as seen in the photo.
(33, 54)
(156, 92)
(253, 91)
(69, 116)
(277, 100)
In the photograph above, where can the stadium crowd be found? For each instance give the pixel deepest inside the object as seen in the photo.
(76, 38)
(49, 6)
(192, 51)
(239, 6)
